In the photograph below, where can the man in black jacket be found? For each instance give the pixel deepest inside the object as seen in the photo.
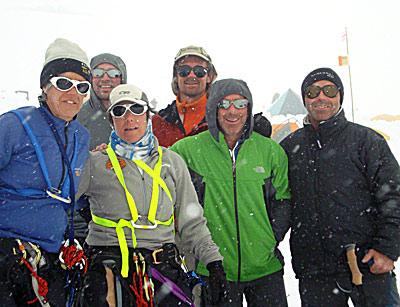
(345, 185)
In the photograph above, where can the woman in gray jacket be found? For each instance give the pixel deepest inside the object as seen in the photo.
(140, 194)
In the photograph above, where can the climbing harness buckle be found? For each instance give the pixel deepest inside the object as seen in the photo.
(56, 194)
(141, 226)
(154, 255)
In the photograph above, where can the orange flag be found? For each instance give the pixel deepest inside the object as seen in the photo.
(343, 60)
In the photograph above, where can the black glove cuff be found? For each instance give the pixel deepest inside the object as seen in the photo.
(215, 266)
(262, 125)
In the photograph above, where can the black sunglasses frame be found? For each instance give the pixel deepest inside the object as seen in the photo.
(329, 90)
(199, 71)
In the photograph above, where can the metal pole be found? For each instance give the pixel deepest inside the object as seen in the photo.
(348, 65)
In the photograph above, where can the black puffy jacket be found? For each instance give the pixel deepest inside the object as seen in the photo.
(345, 185)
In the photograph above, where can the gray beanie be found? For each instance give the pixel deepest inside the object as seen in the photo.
(64, 56)
(110, 59)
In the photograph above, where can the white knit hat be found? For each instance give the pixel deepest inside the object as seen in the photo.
(62, 56)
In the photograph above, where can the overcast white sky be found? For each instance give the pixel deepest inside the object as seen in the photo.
(270, 44)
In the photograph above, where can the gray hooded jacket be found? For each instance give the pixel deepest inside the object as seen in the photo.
(218, 91)
(93, 114)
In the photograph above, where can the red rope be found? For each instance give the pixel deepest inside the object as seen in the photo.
(138, 290)
(149, 289)
(138, 282)
(72, 256)
(43, 288)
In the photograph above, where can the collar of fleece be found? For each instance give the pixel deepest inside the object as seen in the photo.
(193, 113)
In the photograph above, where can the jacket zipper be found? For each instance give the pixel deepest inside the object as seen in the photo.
(144, 190)
(62, 162)
(232, 152)
(318, 208)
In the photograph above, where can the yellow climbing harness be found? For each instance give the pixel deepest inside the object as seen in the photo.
(132, 224)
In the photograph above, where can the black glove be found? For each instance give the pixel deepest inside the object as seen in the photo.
(262, 125)
(84, 212)
(217, 287)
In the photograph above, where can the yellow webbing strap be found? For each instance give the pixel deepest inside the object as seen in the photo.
(157, 181)
(123, 245)
(120, 176)
(122, 223)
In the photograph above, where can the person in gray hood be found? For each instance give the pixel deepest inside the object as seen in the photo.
(225, 88)
(108, 71)
(241, 180)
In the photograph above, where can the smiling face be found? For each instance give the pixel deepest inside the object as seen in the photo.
(130, 127)
(232, 120)
(321, 108)
(103, 86)
(64, 105)
(192, 87)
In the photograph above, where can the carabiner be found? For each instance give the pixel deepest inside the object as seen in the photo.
(55, 193)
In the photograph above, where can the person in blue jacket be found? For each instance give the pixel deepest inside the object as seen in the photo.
(42, 152)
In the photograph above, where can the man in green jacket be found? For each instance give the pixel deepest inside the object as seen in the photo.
(241, 180)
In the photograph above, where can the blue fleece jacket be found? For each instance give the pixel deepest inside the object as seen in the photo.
(39, 219)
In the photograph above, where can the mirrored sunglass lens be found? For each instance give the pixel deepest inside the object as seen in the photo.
(240, 103)
(199, 71)
(83, 88)
(224, 104)
(98, 72)
(330, 90)
(313, 91)
(137, 109)
(184, 71)
(63, 84)
(118, 111)
(113, 73)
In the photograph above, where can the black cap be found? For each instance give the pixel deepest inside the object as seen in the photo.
(319, 74)
(59, 66)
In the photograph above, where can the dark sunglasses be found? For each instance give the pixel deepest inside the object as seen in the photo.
(199, 71)
(112, 73)
(330, 91)
(65, 84)
(120, 110)
(238, 103)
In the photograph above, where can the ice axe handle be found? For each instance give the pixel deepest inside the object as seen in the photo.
(352, 261)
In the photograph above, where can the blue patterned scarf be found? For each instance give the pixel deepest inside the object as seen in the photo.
(134, 151)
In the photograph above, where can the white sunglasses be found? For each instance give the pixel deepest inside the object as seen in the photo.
(65, 84)
(120, 110)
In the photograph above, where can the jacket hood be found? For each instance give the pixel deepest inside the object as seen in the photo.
(113, 60)
(218, 91)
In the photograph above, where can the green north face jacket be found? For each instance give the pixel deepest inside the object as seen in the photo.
(239, 199)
